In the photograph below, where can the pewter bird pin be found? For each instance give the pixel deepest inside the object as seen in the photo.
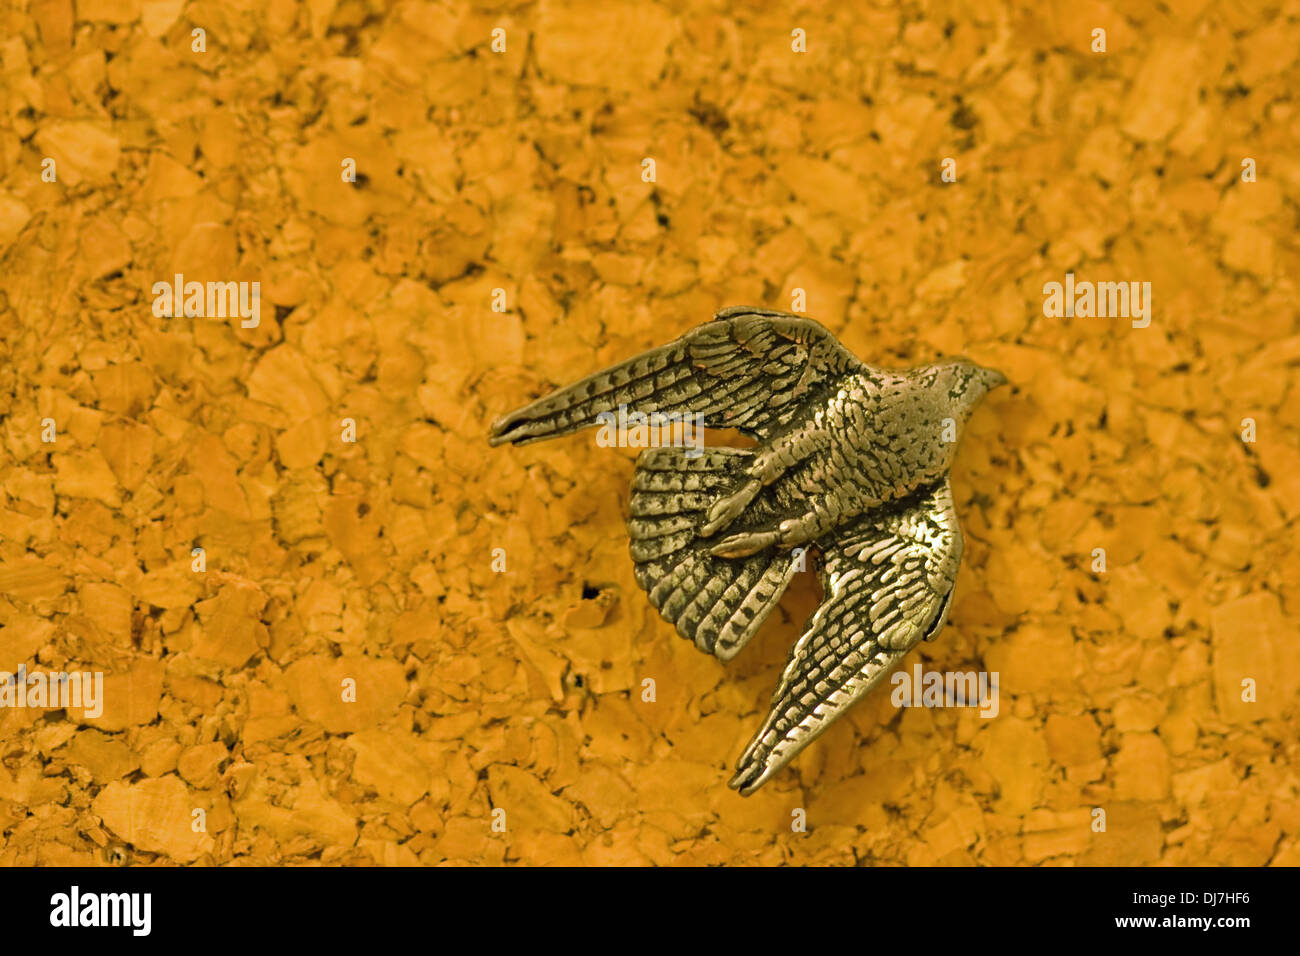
(851, 460)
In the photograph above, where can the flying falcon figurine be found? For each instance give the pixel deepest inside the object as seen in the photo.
(851, 461)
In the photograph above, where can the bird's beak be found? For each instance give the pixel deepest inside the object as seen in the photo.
(993, 378)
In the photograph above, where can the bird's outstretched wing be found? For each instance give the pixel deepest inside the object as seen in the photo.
(748, 369)
(888, 581)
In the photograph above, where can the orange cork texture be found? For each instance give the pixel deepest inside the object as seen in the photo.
(392, 632)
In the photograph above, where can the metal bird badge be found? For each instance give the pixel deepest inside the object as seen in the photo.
(851, 460)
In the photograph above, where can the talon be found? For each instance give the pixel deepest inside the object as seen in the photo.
(725, 510)
(789, 530)
(743, 545)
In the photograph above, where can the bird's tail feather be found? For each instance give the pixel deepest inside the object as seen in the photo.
(719, 603)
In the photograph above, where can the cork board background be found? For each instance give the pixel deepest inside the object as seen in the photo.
(370, 561)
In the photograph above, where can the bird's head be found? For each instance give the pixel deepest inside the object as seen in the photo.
(963, 383)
